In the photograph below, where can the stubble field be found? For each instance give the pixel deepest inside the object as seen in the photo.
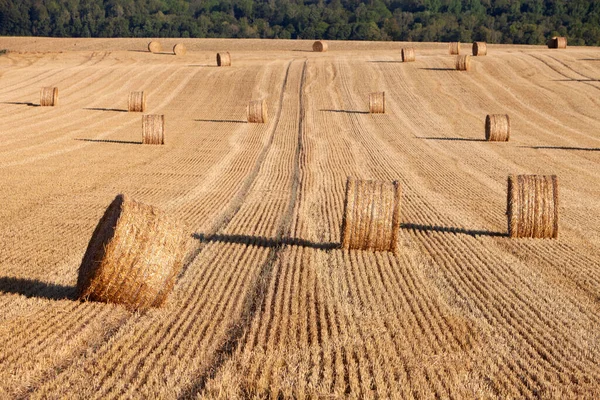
(267, 304)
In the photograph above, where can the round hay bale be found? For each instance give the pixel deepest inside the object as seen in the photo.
(463, 63)
(133, 257)
(557, 42)
(497, 127)
(137, 102)
(408, 54)
(153, 129)
(532, 206)
(454, 48)
(377, 103)
(257, 111)
(49, 97)
(479, 48)
(154, 47)
(371, 215)
(224, 59)
(320, 46)
(179, 49)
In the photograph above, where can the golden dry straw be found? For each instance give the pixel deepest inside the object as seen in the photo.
(463, 63)
(454, 48)
(154, 47)
(557, 42)
(532, 206)
(320, 46)
(497, 127)
(137, 102)
(179, 49)
(153, 129)
(224, 59)
(257, 111)
(377, 103)
(49, 97)
(479, 48)
(133, 257)
(408, 54)
(371, 215)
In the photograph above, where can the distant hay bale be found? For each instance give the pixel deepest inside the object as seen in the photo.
(257, 111)
(320, 46)
(49, 97)
(224, 59)
(179, 49)
(153, 129)
(137, 102)
(154, 47)
(377, 103)
(408, 54)
(479, 48)
(557, 42)
(371, 215)
(133, 257)
(532, 207)
(454, 48)
(497, 127)
(463, 63)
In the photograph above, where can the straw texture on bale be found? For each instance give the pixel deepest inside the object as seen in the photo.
(454, 48)
(154, 47)
(463, 63)
(408, 54)
(137, 102)
(133, 257)
(320, 46)
(557, 42)
(532, 208)
(497, 128)
(224, 59)
(257, 111)
(479, 48)
(377, 103)
(179, 49)
(49, 97)
(153, 129)
(371, 215)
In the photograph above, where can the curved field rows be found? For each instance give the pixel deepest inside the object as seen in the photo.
(267, 305)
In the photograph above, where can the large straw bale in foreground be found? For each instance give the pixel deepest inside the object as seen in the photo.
(49, 97)
(257, 111)
(224, 59)
(133, 257)
(497, 127)
(377, 103)
(137, 102)
(153, 129)
(371, 215)
(532, 208)
(463, 63)
(320, 46)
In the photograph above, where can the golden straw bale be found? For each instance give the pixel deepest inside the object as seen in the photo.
(179, 49)
(377, 103)
(49, 97)
(463, 63)
(557, 42)
(371, 215)
(454, 48)
(133, 257)
(137, 102)
(154, 47)
(224, 59)
(497, 127)
(257, 111)
(479, 48)
(532, 206)
(408, 54)
(153, 129)
(320, 46)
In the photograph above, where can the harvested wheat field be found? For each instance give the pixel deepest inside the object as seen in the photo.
(266, 302)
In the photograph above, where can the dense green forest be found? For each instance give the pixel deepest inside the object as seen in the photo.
(494, 21)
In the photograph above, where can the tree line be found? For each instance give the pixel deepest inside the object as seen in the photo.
(493, 21)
